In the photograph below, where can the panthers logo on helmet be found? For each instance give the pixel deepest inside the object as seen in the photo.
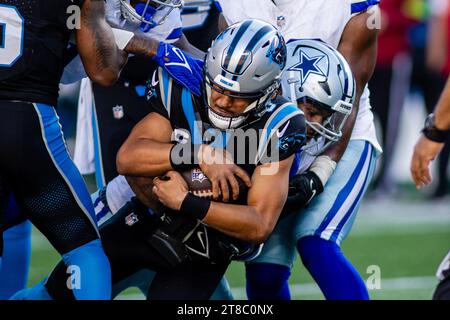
(277, 51)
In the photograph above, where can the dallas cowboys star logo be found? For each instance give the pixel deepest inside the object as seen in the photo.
(307, 66)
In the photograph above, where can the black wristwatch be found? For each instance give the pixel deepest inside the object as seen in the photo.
(434, 134)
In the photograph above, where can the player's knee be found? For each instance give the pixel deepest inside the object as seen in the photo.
(91, 253)
(262, 286)
(37, 292)
(313, 250)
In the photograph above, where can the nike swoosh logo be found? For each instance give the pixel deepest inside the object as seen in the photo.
(154, 82)
(199, 235)
(313, 192)
(181, 56)
(281, 133)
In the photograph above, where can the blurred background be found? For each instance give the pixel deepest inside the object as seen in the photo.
(401, 234)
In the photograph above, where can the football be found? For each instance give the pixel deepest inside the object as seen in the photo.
(200, 185)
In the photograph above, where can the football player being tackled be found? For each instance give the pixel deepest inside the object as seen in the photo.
(320, 81)
(239, 127)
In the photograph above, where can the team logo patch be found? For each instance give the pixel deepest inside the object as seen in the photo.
(198, 175)
(118, 112)
(131, 219)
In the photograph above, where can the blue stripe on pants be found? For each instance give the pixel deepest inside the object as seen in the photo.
(342, 196)
(56, 146)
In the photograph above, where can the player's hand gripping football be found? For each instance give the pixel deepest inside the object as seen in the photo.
(218, 165)
(170, 189)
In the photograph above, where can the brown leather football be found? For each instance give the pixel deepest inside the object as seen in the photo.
(201, 186)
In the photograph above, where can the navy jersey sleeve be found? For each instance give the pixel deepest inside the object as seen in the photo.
(286, 132)
(158, 93)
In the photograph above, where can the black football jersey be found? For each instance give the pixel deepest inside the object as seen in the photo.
(34, 35)
(274, 136)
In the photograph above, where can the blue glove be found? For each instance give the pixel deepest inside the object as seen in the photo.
(185, 69)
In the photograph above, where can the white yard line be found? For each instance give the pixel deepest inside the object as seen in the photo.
(392, 284)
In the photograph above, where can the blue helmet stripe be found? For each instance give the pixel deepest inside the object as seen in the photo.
(235, 41)
(251, 45)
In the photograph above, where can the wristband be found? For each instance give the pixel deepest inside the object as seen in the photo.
(177, 158)
(432, 133)
(323, 167)
(195, 207)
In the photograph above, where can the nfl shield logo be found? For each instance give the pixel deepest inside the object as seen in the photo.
(281, 21)
(118, 112)
(131, 219)
(198, 175)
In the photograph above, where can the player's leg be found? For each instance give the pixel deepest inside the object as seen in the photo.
(188, 281)
(323, 225)
(52, 192)
(223, 291)
(277, 257)
(16, 259)
(126, 248)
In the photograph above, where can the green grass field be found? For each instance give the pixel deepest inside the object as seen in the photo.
(405, 238)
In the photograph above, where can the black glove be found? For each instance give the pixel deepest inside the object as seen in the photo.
(302, 189)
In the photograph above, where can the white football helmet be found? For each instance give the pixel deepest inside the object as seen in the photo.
(317, 73)
(129, 12)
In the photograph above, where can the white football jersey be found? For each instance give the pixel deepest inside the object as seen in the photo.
(313, 19)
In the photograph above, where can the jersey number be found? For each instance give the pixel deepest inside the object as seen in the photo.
(11, 35)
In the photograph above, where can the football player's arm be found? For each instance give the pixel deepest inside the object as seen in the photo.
(146, 152)
(358, 45)
(255, 221)
(427, 150)
(252, 222)
(101, 57)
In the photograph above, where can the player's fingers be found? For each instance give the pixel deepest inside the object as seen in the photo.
(243, 175)
(423, 173)
(415, 173)
(215, 188)
(155, 191)
(156, 181)
(224, 190)
(417, 170)
(170, 174)
(234, 186)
